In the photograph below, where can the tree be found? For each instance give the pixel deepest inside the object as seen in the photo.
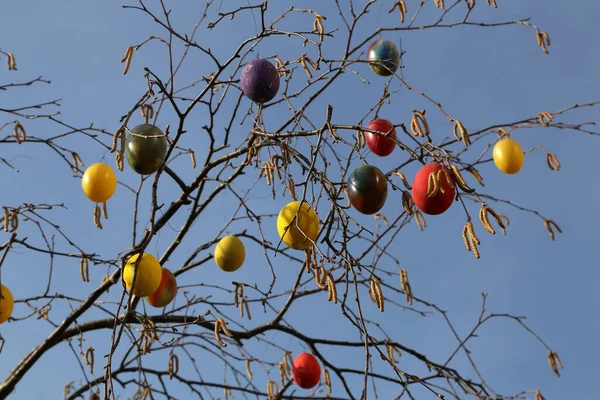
(231, 165)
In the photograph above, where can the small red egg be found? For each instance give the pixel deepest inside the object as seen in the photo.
(306, 371)
(381, 145)
(441, 201)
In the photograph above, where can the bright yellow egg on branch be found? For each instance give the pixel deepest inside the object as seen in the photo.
(508, 156)
(7, 304)
(148, 277)
(298, 226)
(99, 182)
(230, 253)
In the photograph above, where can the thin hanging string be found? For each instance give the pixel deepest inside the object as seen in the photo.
(377, 20)
(255, 28)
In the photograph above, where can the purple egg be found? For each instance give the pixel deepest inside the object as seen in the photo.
(260, 80)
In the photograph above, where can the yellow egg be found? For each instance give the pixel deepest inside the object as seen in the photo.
(230, 253)
(148, 276)
(508, 156)
(303, 230)
(7, 304)
(99, 182)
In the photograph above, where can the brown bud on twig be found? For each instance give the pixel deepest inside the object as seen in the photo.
(376, 293)
(127, 59)
(89, 359)
(485, 222)
(97, 215)
(272, 390)
(248, 370)
(173, 365)
(405, 283)
(404, 181)
(19, 133)
(401, 7)
(147, 111)
(419, 219)
(460, 181)
(407, 202)
(331, 289)
(418, 124)
(552, 161)
(554, 362)
(460, 133)
(381, 216)
(545, 118)
(475, 174)
(470, 239)
(543, 40)
(549, 224)
(280, 66)
(221, 326)
(84, 269)
(327, 380)
(318, 25)
(12, 63)
(538, 395)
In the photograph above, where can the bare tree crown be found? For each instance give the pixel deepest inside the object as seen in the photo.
(314, 199)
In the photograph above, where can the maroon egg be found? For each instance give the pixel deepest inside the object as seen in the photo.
(367, 189)
(381, 145)
(260, 80)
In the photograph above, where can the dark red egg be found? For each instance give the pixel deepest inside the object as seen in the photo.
(442, 200)
(145, 148)
(367, 189)
(260, 80)
(381, 145)
(306, 371)
(166, 291)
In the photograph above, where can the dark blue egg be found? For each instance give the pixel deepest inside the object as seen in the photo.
(383, 57)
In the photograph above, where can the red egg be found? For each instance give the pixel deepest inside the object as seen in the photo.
(381, 145)
(442, 200)
(306, 371)
(166, 291)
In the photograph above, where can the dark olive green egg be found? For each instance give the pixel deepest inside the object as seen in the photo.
(145, 149)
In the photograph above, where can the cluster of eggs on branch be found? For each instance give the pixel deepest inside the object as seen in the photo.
(157, 284)
(367, 186)
(298, 224)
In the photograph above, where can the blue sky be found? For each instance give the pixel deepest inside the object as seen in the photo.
(486, 76)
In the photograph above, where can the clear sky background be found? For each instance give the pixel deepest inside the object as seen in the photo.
(486, 76)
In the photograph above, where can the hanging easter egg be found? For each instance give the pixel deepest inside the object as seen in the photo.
(306, 371)
(440, 201)
(383, 57)
(301, 231)
(99, 182)
(7, 304)
(381, 145)
(166, 291)
(145, 148)
(260, 80)
(230, 253)
(367, 189)
(148, 277)
(508, 156)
